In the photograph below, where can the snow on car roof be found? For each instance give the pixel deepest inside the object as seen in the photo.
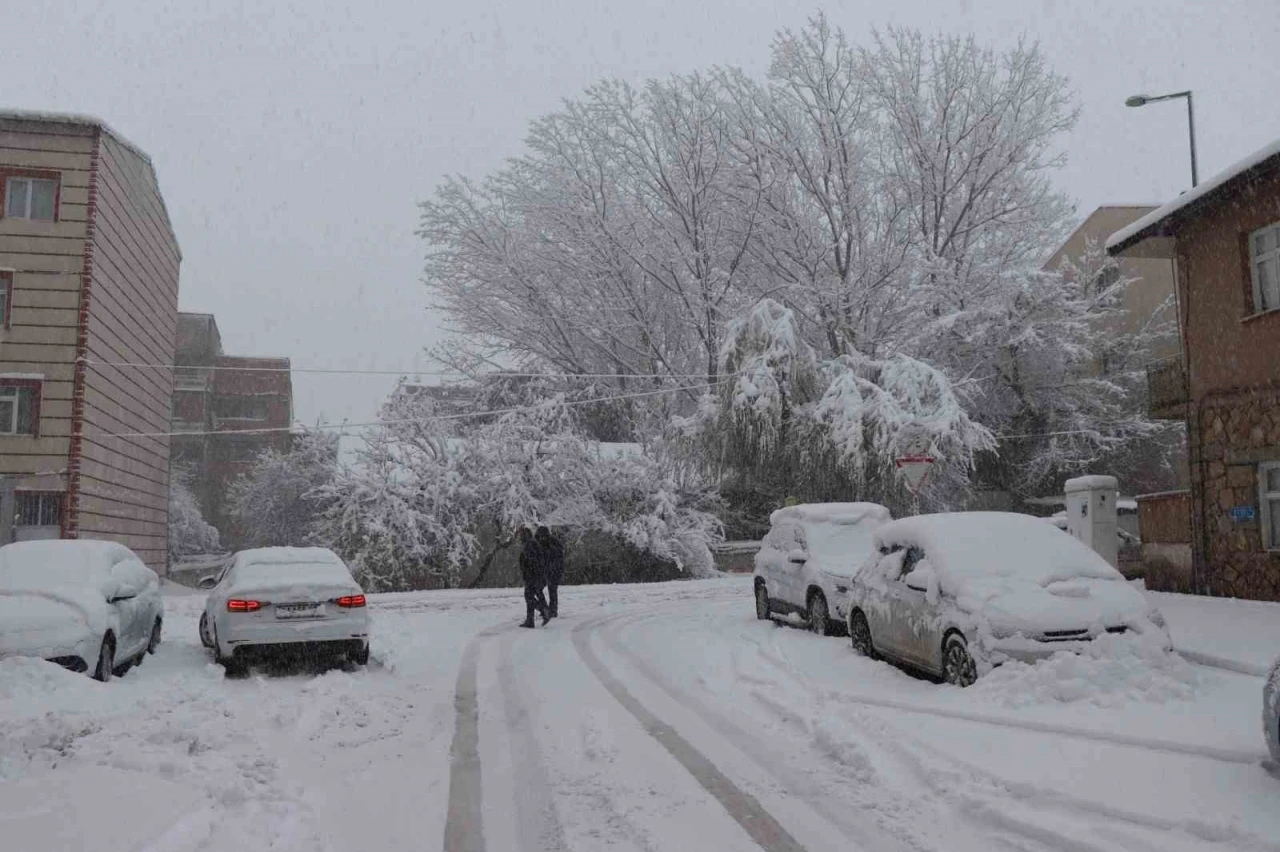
(290, 564)
(49, 563)
(831, 513)
(1020, 550)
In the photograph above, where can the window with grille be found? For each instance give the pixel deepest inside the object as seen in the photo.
(39, 510)
(1264, 265)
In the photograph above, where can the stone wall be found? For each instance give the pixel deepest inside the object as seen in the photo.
(1236, 431)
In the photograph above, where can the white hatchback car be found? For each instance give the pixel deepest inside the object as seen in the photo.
(91, 606)
(953, 594)
(806, 563)
(298, 600)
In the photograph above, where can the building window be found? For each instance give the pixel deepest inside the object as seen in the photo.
(1264, 264)
(1269, 497)
(39, 510)
(19, 406)
(241, 408)
(6, 298)
(31, 198)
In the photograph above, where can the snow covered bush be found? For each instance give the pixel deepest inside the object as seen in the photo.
(278, 502)
(430, 498)
(189, 532)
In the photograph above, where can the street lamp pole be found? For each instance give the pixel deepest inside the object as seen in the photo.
(1143, 100)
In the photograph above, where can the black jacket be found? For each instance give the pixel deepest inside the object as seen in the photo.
(532, 564)
(552, 559)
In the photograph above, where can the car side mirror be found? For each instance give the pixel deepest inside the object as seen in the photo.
(920, 579)
(207, 582)
(797, 557)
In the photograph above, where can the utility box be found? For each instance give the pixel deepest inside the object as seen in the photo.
(1091, 513)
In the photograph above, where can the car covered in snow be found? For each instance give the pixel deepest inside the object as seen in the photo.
(1271, 713)
(954, 594)
(91, 606)
(806, 563)
(298, 600)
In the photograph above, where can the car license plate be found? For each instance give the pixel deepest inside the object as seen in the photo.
(298, 610)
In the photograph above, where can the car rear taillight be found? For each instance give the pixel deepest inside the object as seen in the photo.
(350, 601)
(238, 605)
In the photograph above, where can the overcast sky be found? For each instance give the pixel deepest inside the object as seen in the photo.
(293, 140)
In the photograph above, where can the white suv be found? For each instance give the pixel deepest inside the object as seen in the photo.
(809, 557)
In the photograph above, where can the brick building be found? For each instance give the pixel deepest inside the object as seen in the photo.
(219, 402)
(1224, 238)
(88, 280)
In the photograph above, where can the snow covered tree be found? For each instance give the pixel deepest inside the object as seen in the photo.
(431, 499)
(189, 532)
(276, 503)
(792, 425)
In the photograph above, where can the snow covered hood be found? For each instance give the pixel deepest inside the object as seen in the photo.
(1017, 571)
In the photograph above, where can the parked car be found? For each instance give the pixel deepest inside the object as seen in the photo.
(807, 561)
(91, 606)
(1271, 713)
(953, 594)
(300, 600)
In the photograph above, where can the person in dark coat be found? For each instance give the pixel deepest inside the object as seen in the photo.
(532, 572)
(552, 566)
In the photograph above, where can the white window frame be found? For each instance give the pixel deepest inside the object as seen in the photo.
(1265, 498)
(8, 193)
(1255, 258)
(11, 393)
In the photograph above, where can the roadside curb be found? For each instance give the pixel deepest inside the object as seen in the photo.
(1202, 659)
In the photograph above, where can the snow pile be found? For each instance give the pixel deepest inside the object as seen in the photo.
(31, 680)
(1109, 672)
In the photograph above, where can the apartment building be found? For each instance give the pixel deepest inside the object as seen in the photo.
(1224, 239)
(227, 410)
(88, 307)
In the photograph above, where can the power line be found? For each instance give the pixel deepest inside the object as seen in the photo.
(268, 430)
(322, 371)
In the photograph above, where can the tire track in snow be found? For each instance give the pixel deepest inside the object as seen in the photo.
(758, 823)
(464, 825)
(850, 823)
(535, 805)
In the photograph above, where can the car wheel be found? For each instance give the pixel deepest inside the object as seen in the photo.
(155, 639)
(361, 657)
(860, 634)
(819, 621)
(106, 660)
(204, 630)
(958, 667)
(762, 602)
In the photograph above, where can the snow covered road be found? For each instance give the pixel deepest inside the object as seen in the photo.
(647, 718)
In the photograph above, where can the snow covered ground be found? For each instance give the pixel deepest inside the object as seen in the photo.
(647, 718)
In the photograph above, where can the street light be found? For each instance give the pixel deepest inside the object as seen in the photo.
(1143, 100)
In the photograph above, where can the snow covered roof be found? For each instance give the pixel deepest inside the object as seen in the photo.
(81, 119)
(84, 120)
(1150, 224)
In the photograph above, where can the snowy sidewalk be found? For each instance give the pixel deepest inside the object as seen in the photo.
(1237, 635)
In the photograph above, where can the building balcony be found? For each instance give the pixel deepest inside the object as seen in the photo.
(1167, 390)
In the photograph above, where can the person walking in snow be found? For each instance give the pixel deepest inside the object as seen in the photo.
(533, 574)
(552, 566)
